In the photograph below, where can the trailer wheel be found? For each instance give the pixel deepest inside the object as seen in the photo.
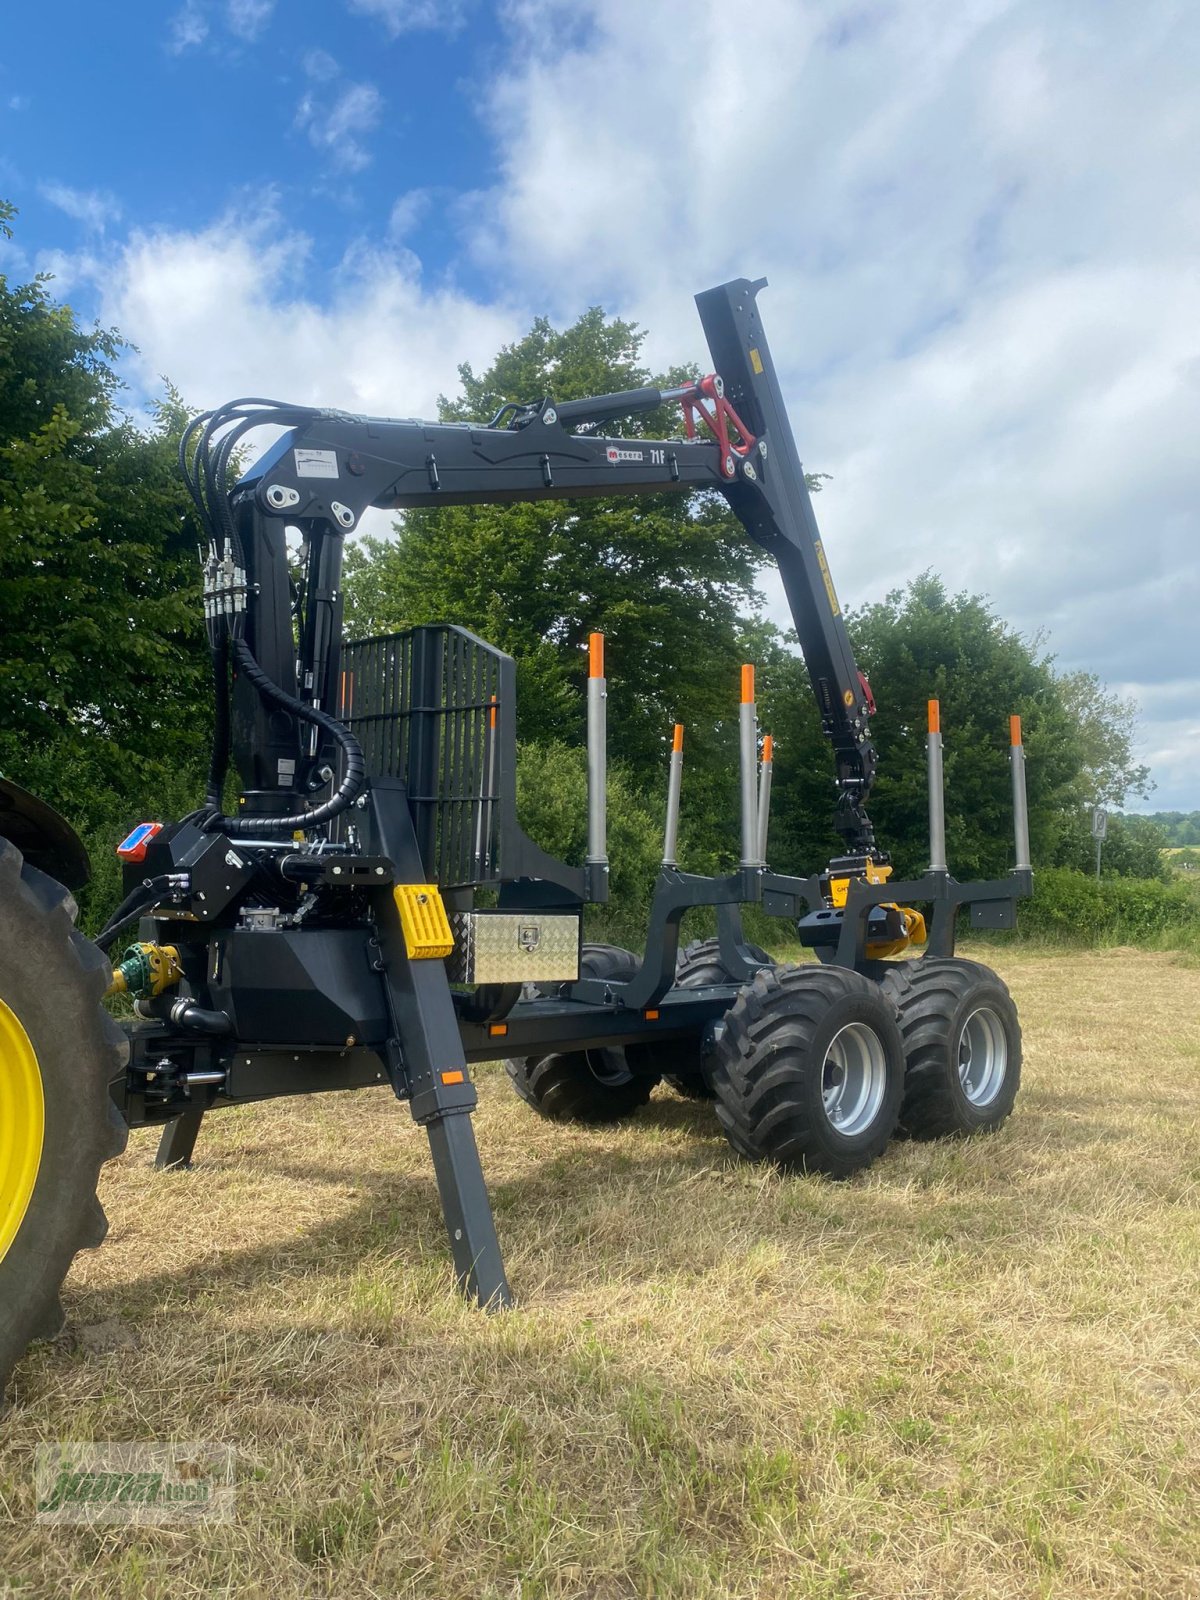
(808, 1069)
(589, 1086)
(58, 1051)
(962, 1044)
(698, 967)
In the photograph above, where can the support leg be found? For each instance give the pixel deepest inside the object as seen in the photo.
(468, 1213)
(179, 1140)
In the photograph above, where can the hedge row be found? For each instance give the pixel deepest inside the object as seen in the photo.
(1072, 908)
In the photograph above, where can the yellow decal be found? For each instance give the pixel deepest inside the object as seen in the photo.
(756, 361)
(829, 589)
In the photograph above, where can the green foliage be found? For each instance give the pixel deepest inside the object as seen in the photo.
(665, 578)
(552, 808)
(1179, 827)
(922, 643)
(1133, 847)
(102, 675)
(1070, 907)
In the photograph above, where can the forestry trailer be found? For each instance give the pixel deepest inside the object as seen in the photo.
(372, 913)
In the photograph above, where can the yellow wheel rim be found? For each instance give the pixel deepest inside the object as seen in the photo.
(22, 1125)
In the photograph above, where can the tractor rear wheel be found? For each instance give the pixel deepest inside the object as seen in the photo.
(59, 1050)
(808, 1069)
(962, 1044)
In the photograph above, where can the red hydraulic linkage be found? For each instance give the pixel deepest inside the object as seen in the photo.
(720, 421)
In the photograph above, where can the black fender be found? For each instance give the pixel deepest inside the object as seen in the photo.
(46, 840)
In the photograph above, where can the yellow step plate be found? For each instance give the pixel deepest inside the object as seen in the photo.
(423, 917)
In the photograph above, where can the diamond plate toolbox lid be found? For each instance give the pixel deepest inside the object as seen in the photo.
(514, 947)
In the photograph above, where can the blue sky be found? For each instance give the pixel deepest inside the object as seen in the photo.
(979, 218)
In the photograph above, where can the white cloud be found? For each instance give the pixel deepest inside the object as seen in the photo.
(237, 308)
(407, 213)
(337, 114)
(408, 16)
(248, 18)
(95, 208)
(980, 227)
(189, 27)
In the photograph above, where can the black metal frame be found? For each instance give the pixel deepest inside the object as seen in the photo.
(297, 976)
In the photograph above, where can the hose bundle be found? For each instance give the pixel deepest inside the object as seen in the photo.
(212, 439)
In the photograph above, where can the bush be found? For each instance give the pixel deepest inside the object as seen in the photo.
(552, 807)
(1072, 908)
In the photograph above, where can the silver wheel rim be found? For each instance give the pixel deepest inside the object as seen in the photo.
(853, 1078)
(604, 1070)
(982, 1056)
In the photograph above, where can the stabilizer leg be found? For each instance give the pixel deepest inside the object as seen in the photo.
(426, 1061)
(179, 1140)
(467, 1210)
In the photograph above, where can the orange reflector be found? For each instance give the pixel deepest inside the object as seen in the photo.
(497, 1030)
(492, 715)
(1014, 730)
(677, 741)
(454, 1077)
(935, 717)
(768, 749)
(650, 1016)
(595, 655)
(747, 684)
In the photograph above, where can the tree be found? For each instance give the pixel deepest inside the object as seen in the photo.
(102, 672)
(921, 643)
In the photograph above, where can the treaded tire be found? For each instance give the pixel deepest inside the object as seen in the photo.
(588, 1086)
(698, 967)
(53, 980)
(962, 1045)
(700, 964)
(785, 1062)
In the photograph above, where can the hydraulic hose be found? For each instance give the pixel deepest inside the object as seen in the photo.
(134, 903)
(352, 782)
(219, 761)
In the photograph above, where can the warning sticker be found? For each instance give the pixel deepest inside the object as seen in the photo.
(316, 463)
(756, 361)
(829, 589)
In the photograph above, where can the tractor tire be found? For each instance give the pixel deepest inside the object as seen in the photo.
(962, 1046)
(59, 1049)
(589, 1086)
(698, 966)
(808, 1069)
(593, 1087)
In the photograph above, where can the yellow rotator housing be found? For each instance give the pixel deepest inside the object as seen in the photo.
(22, 1125)
(913, 922)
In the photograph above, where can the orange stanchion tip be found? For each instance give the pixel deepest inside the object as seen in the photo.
(935, 717)
(768, 748)
(747, 684)
(492, 715)
(1014, 730)
(677, 740)
(595, 655)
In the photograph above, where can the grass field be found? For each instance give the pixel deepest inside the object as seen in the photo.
(973, 1371)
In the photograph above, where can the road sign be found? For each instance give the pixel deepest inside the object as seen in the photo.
(1099, 822)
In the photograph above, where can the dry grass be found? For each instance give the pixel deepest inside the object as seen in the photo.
(973, 1371)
